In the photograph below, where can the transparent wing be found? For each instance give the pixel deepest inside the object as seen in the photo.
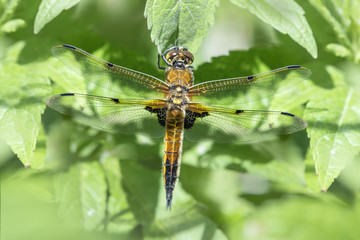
(123, 82)
(111, 114)
(240, 90)
(242, 126)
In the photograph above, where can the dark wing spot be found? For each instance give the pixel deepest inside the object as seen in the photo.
(288, 114)
(294, 66)
(204, 114)
(160, 113)
(249, 78)
(191, 116)
(69, 46)
(115, 100)
(67, 94)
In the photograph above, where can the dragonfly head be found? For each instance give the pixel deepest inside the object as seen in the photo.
(178, 57)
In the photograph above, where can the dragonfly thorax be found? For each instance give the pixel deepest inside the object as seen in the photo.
(179, 77)
(178, 99)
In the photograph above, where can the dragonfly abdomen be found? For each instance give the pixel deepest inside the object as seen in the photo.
(172, 154)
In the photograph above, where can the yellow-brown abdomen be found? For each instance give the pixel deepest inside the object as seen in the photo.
(172, 154)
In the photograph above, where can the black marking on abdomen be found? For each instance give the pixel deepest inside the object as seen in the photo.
(167, 166)
(170, 176)
(160, 113)
(110, 65)
(69, 46)
(191, 116)
(176, 153)
(288, 114)
(239, 111)
(67, 94)
(294, 66)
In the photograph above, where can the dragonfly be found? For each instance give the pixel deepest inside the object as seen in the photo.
(177, 107)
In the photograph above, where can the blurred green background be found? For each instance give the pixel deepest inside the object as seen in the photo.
(81, 183)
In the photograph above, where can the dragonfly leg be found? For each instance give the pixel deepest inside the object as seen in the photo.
(158, 63)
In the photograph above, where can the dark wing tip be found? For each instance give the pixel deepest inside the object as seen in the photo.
(68, 46)
(288, 114)
(56, 48)
(299, 66)
(50, 100)
(293, 66)
(66, 94)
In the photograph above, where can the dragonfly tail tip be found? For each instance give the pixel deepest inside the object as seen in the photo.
(168, 204)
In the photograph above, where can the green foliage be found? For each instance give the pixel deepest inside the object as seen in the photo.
(185, 21)
(298, 218)
(7, 24)
(50, 9)
(20, 120)
(81, 180)
(12, 25)
(344, 18)
(333, 150)
(285, 16)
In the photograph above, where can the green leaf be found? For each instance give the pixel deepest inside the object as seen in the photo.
(285, 16)
(286, 167)
(7, 9)
(12, 25)
(81, 194)
(338, 50)
(211, 188)
(117, 205)
(49, 9)
(184, 224)
(142, 192)
(22, 96)
(350, 177)
(329, 16)
(333, 119)
(312, 180)
(352, 73)
(186, 21)
(312, 219)
(40, 151)
(337, 76)
(5, 152)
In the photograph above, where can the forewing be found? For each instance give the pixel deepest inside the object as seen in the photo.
(120, 81)
(110, 114)
(241, 126)
(240, 90)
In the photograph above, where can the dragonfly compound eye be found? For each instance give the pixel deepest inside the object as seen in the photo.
(170, 55)
(189, 56)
